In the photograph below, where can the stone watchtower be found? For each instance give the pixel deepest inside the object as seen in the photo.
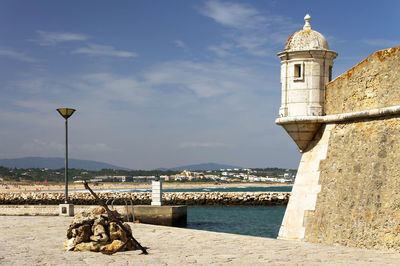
(347, 188)
(306, 68)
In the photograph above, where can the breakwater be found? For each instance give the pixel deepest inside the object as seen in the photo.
(144, 198)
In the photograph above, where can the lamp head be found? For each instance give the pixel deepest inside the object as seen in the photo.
(66, 112)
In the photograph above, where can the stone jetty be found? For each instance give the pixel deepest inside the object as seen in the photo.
(144, 198)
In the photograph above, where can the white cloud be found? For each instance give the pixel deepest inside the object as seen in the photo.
(10, 53)
(36, 105)
(51, 38)
(249, 30)
(107, 87)
(255, 45)
(31, 85)
(40, 146)
(185, 145)
(205, 80)
(200, 79)
(221, 50)
(103, 50)
(30, 119)
(37, 146)
(381, 42)
(97, 147)
(180, 43)
(232, 15)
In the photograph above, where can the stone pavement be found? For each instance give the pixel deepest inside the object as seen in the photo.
(38, 240)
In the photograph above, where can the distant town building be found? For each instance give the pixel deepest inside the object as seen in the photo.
(112, 179)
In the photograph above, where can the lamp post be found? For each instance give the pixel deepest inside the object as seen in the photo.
(66, 113)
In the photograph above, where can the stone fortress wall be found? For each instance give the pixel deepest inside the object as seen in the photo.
(348, 184)
(373, 83)
(359, 201)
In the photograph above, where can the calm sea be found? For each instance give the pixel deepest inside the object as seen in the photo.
(263, 221)
(210, 189)
(254, 221)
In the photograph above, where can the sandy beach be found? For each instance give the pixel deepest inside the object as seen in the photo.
(107, 186)
(38, 240)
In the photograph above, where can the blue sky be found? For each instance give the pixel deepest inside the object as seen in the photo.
(165, 83)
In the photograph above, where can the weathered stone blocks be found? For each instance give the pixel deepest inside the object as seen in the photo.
(373, 83)
(359, 204)
(144, 198)
(93, 231)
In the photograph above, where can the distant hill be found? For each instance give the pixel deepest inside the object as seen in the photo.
(202, 167)
(56, 163)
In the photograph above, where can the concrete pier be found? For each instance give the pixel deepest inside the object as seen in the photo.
(162, 215)
(158, 215)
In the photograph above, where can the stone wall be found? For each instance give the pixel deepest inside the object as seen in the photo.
(306, 188)
(359, 201)
(373, 83)
(143, 198)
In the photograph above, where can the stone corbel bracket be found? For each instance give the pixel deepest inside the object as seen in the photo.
(303, 128)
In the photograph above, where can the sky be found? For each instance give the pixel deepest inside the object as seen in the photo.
(165, 83)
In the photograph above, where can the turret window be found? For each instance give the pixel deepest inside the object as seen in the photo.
(298, 71)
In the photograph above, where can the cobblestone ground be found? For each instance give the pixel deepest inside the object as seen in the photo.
(38, 240)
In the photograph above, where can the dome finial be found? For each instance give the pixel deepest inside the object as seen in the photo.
(307, 25)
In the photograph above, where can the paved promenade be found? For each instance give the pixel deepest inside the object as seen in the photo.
(38, 240)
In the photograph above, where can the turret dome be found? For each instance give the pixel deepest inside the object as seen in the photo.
(306, 39)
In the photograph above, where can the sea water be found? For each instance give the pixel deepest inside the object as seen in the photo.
(233, 189)
(261, 221)
(283, 188)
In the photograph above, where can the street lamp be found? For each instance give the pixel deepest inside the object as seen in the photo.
(65, 209)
